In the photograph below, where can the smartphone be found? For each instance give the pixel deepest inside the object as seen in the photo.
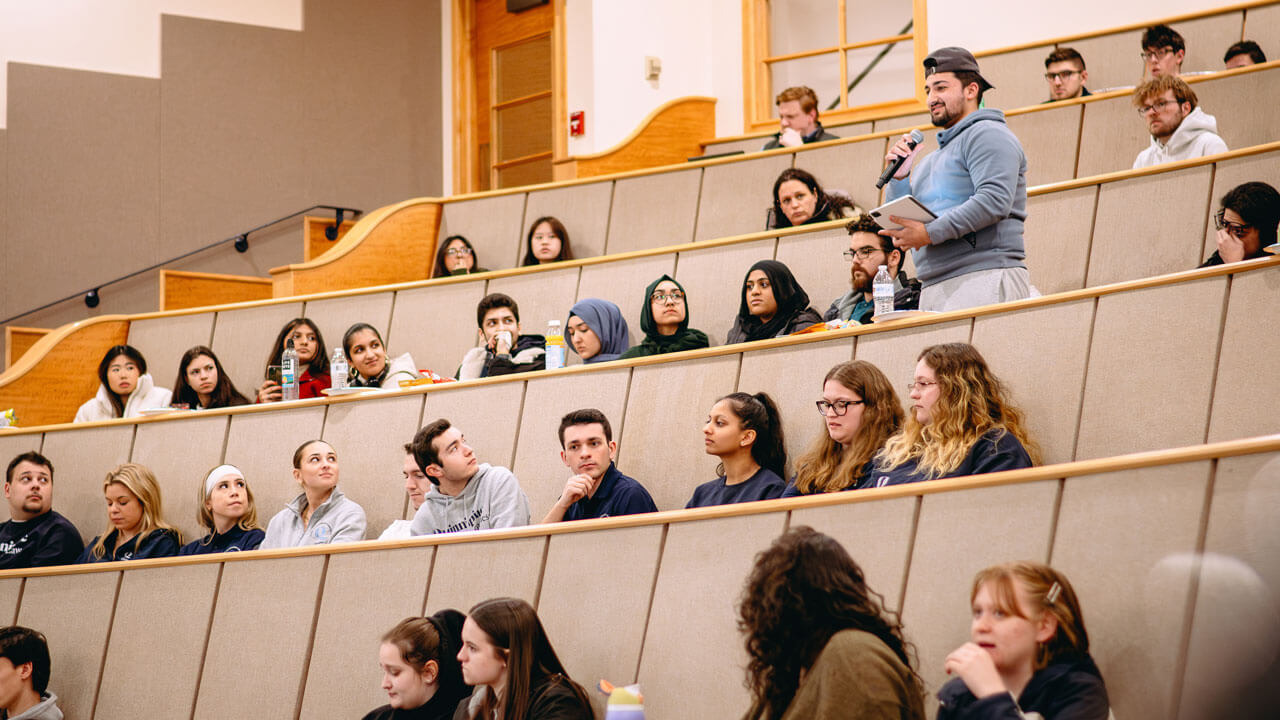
(274, 373)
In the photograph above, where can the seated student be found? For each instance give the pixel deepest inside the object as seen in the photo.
(466, 494)
(135, 514)
(745, 432)
(597, 489)
(420, 670)
(773, 304)
(417, 485)
(320, 514)
(664, 318)
(202, 384)
(363, 346)
(125, 389)
(313, 361)
(456, 257)
(820, 643)
(1029, 651)
(227, 511)
(1246, 223)
(25, 665)
(961, 422)
(1179, 129)
(1163, 50)
(868, 250)
(1243, 54)
(547, 242)
(35, 535)
(508, 658)
(798, 199)
(596, 331)
(503, 350)
(1065, 73)
(860, 411)
(798, 116)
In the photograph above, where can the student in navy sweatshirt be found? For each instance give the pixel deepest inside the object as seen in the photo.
(961, 422)
(135, 516)
(36, 536)
(745, 432)
(228, 512)
(597, 489)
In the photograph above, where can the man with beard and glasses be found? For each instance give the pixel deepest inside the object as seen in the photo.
(976, 184)
(868, 250)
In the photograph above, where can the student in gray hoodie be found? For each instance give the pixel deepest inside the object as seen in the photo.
(321, 514)
(976, 183)
(27, 653)
(465, 494)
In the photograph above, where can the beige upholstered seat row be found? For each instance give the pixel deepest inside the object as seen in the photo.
(1188, 538)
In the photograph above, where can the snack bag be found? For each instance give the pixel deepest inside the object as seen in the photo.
(625, 703)
(8, 418)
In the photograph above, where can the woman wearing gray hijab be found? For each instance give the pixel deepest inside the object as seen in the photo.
(596, 330)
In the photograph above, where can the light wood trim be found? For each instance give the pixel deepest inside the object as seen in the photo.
(756, 85)
(920, 29)
(18, 340)
(521, 100)
(842, 47)
(464, 75)
(315, 243)
(521, 160)
(52, 379)
(181, 289)
(801, 54)
(1153, 170)
(669, 135)
(842, 37)
(559, 85)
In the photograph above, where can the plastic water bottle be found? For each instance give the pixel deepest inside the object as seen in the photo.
(289, 372)
(882, 291)
(338, 370)
(555, 345)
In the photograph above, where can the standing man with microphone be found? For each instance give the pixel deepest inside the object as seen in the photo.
(976, 183)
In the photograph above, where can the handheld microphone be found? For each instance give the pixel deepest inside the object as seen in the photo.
(917, 137)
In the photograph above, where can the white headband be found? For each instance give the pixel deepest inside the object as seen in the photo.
(217, 474)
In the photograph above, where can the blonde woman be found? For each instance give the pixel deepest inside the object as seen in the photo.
(134, 513)
(227, 511)
(961, 422)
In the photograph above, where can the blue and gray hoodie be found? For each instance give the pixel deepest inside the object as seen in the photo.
(976, 183)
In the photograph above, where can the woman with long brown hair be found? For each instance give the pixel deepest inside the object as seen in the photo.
(820, 642)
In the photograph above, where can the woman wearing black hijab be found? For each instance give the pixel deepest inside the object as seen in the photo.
(664, 318)
(773, 304)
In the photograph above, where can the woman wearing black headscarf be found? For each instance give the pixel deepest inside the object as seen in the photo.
(664, 318)
(773, 304)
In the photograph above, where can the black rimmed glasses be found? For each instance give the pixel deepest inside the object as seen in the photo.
(862, 252)
(674, 296)
(1154, 55)
(1221, 222)
(840, 407)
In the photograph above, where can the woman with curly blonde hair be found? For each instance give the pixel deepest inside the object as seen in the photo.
(962, 422)
(820, 642)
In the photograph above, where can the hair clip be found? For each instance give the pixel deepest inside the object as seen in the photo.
(1051, 597)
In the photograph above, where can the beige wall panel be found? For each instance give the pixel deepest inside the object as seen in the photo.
(242, 339)
(542, 297)
(232, 128)
(1017, 345)
(1018, 78)
(83, 152)
(901, 121)
(1112, 60)
(1241, 123)
(623, 284)
(1145, 344)
(10, 589)
(793, 378)
(365, 595)
(335, 315)
(542, 474)
(884, 561)
(370, 435)
(735, 196)
(467, 573)
(262, 446)
(848, 168)
(158, 608)
(1207, 38)
(693, 658)
(1057, 235)
(436, 325)
(1049, 137)
(815, 260)
(74, 613)
(1263, 22)
(955, 538)
(1175, 234)
(712, 279)
(487, 415)
(597, 580)
(1112, 134)
(163, 340)
(81, 459)
(633, 224)
(12, 445)
(749, 145)
(584, 210)
(1243, 403)
(844, 130)
(895, 352)
(1226, 175)
(661, 442)
(250, 596)
(180, 452)
(493, 225)
(1136, 601)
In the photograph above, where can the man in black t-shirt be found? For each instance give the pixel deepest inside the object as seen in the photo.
(36, 536)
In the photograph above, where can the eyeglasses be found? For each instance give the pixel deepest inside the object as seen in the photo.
(458, 252)
(1157, 106)
(661, 297)
(862, 252)
(921, 384)
(840, 406)
(1064, 75)
(1220, 222)
(1154, 55)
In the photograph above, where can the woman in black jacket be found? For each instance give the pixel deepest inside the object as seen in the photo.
(773, 304)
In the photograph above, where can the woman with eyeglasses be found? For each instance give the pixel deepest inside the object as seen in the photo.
(664, 318)
(773, 304)
(860, 411)
(596, 330)
(1246, 223)
(961, 422)
(798, 199)
(456, 257)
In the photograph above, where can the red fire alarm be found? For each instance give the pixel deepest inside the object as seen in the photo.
(577, 123)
